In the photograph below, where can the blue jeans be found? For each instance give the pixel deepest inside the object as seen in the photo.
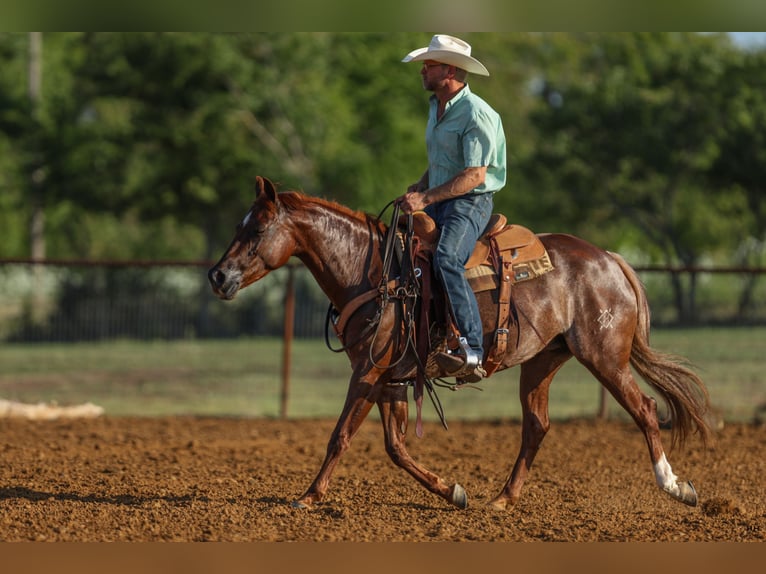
(461, 221)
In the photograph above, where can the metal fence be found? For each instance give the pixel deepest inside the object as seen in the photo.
(84, 300)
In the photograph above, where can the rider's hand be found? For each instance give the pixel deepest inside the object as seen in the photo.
(413, 200)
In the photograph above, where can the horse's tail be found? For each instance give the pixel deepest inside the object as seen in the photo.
(683, 391)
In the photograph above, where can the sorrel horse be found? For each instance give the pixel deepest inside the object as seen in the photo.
(591, 306)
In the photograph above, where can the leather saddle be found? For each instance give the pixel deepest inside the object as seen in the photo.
(520, 246)
(504, 255)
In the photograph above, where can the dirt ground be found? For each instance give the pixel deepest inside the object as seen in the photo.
(205, 479)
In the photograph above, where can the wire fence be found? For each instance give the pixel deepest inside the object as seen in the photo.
(87, 300)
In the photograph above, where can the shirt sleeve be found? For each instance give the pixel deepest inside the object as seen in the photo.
(479, 142)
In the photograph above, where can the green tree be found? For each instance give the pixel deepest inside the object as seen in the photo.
(148, 144)
(168, 103)
(741, 165)
(382, 149)
(633, 137)
(13, 109)
(208, 112)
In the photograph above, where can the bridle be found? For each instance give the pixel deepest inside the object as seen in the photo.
(406, 290)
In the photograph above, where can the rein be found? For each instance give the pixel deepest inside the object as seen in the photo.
(406, 290)
(405, 287)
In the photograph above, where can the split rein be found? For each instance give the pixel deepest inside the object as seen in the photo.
(404, 290)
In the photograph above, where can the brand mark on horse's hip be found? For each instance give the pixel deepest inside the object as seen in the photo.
(606, 319)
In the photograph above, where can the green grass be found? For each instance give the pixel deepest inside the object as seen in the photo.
(243, 377)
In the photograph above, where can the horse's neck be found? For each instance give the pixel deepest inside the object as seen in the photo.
(339, 249)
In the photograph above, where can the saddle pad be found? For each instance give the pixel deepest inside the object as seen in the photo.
(484, 278)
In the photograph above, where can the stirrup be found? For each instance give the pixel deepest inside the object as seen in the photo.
(464, 364)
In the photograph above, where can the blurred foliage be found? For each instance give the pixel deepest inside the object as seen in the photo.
(147, 144)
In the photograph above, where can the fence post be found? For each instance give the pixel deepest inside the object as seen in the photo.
(287, 341)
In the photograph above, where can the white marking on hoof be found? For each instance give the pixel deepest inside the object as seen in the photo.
(668, 482)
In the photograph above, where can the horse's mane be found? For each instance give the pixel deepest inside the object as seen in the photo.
(293, 199)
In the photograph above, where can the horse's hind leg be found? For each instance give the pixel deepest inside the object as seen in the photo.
(643, 409)
(534, 383)
(394, 415)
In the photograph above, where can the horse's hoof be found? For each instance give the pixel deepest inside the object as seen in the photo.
(498, 503)
(459, 497)
(687, 494)
(301, 505)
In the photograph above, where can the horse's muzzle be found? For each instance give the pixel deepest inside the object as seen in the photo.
(225, 285)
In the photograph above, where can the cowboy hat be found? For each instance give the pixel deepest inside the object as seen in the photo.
(448, 50)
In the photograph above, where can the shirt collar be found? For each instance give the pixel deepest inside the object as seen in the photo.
(464, 92)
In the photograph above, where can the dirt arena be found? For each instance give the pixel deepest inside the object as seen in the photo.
(199, 479)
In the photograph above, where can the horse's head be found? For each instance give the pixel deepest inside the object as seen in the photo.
(261, 244)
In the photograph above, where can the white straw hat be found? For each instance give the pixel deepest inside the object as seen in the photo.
(448, 50)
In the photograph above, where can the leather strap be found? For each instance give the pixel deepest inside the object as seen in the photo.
(353, 306)
(505, 276)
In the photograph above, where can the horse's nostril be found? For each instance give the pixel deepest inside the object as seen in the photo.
(216, 277)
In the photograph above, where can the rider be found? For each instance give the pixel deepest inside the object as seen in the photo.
(466, 166)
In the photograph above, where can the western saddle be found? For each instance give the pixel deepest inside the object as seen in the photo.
(504, 255)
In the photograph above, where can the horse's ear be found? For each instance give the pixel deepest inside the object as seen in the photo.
(264, 185)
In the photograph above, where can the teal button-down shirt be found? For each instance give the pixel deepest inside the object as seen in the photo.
(469, 134)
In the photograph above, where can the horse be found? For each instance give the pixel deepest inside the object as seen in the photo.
(592, 306)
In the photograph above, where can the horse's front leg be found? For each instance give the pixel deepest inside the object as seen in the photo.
(394, 415)
(362, 394)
